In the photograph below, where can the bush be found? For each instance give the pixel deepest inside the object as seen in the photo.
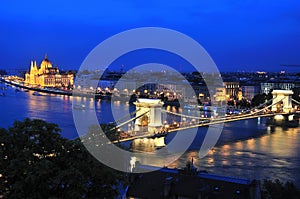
(278, 190)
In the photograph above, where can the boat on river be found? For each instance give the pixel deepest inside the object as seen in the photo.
(37, 93)
(79, 107)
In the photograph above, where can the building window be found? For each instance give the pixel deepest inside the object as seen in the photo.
(216, 188)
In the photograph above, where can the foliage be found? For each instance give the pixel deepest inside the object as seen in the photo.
(95, 133)
(239, 103)
(3, 72)
(244, 103)
(278, 190)
(260, 99)
(36, 162)
(296, 94)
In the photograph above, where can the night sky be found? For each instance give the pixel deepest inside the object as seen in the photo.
(238, 34)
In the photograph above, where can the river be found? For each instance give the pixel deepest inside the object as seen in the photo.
(246, 149)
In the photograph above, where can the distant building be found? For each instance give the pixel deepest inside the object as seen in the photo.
(187, 183)
(250, 91)
(48, 76)
(201, 91)
(275, 85)
(233, 90)
(220, 95)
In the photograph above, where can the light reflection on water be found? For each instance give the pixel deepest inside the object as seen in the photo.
(271, 156)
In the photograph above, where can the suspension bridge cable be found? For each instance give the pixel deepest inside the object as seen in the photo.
(126, 122)
(224, 119)
(129, 114)
(295, 101)
(187, 116)
(265, 103)
(219, 122)
(253, 113)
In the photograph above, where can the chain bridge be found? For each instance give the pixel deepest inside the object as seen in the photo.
(148, 122)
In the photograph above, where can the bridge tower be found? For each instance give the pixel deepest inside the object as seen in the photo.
(286, 97)
(151, 111)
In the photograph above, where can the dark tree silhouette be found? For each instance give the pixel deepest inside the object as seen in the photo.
(278, 190)
(36, 162)
(3, 72)
(260, 99)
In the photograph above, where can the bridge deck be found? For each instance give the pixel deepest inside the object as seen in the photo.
(203, 123)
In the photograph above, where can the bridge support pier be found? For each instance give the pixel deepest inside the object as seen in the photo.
(288, 120)
(286, 105)
(151, 111)
(143, 143)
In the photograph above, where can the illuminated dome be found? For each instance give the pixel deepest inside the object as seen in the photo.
(46, 63)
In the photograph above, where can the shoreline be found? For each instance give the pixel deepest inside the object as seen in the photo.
(79, 94)
(59, 92)
(56, 91)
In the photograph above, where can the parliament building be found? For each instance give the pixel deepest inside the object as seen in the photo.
(48, 76)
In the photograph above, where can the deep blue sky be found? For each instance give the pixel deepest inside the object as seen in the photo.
(238, 34)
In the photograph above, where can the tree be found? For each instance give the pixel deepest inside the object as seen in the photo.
(260, 99)
(278, 190)
(36, 162)
(243, 103)
(95, 133)
(296, 94)
(3, 72)
(230, 103)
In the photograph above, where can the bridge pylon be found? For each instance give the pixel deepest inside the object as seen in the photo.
(152, 116)
(286, 97)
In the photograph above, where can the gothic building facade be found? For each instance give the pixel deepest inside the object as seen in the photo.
(48, 76)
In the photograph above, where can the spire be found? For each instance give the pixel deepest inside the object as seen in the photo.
(46, 56)
(31, 67)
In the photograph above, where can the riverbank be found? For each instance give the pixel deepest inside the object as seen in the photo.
(57, 91)
(90, 94)
(43, 90)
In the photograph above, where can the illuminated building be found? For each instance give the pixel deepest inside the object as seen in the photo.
(220, 94)
(267, 87)
(249, 91)
(48, 76)
(233, 90)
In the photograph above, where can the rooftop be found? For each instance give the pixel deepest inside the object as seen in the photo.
(182, 183)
